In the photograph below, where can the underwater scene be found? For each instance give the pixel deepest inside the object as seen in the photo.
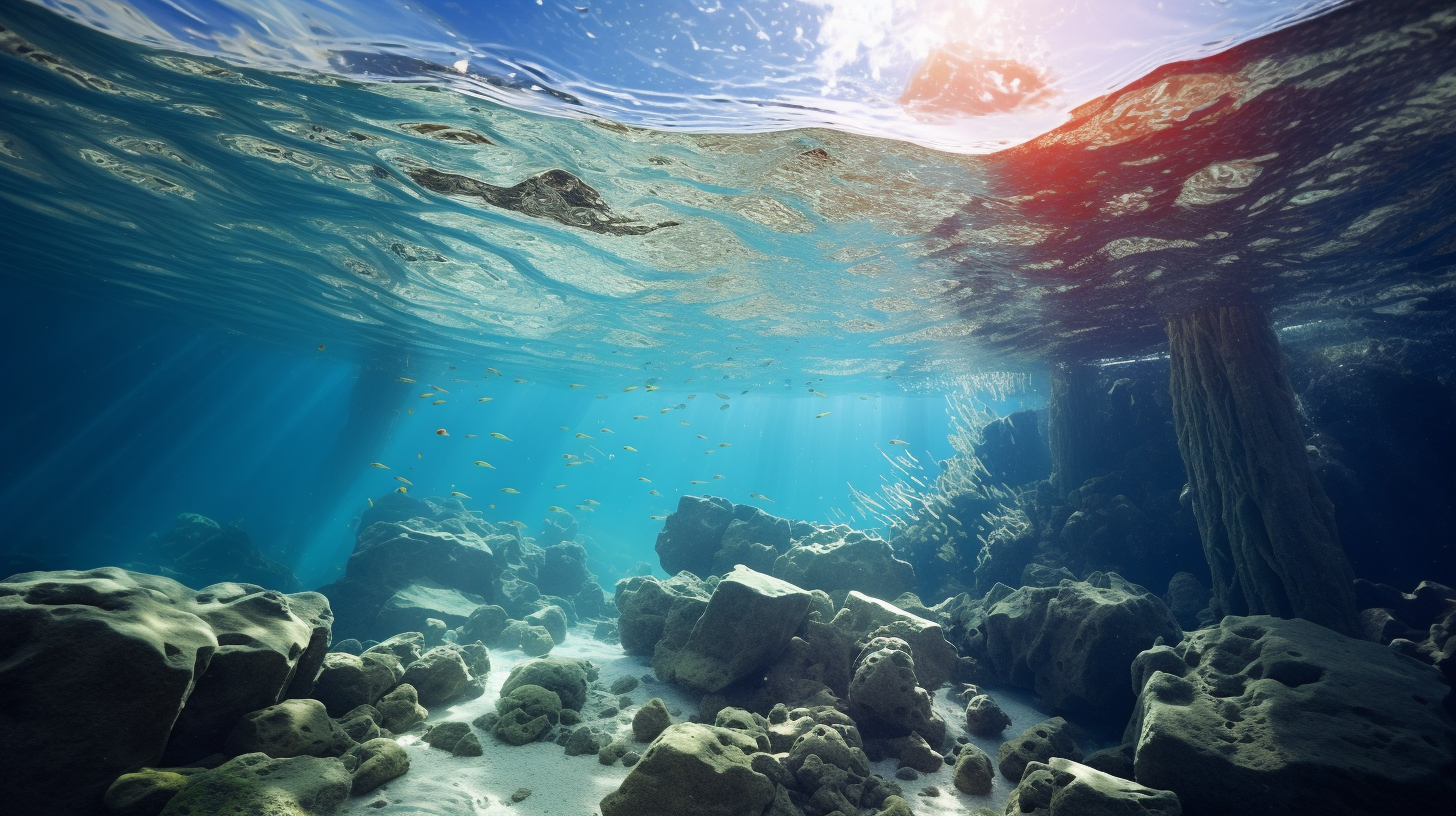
(760, 408)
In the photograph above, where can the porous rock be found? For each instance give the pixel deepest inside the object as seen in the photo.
(693, 768)
(564, 675)
(973, 771)
(401, 709)
(885, 699)
(255, 784)
(842, 559)
(1062, 787)
(644, 604)
(866, 617)
(143, 793)
(650, 720)
(691, 535)
(439, 676)
(348, 681)
(375, 762)
(1039, 743)
(290, 729)
(984, 717)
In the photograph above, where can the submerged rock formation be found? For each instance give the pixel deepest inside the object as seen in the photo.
(1062, 787)
(107, 671)
(1262, 715)
(1268, 528)
(198, 551)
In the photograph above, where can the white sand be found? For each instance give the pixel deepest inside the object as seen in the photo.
(438, 783)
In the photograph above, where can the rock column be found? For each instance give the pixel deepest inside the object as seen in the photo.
(1071, 420)
(1268, 529)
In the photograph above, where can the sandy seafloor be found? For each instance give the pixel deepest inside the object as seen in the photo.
(439, 783)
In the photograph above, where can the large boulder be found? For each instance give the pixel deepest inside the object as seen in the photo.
(564, 571)
(1062, 787)
(865, 617)
(375, 762)
(841, 559)
(413, 604)
(129, 655)
(645, 603)
(349, 681)
(1073, 643)
(1261, 715)
(885, 698)
(567, 676)
(753, 538)
(1039, 743)
(254, 784)
(691, 535)
(291, 728)
(439, 676)
(697, 769)
(198, 551)
(747, 622)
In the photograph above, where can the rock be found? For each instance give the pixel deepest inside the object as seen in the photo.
(747, 622)
(866, 617)
(1382, 626)
(534, 700)
(405, 646)
(199, 552)
(290, 729)
(412, 605)
(486, 624)
(1073, 643)
(840, 559)
(824, 746)
(468, 746)
(563, 569)
(613, 751)
(585, 740)
(1064, 788)
(1042, 576)
(1115, 761)
(691, 535)
(1038, 743)
(362, 723)
(401, 709)
(914, 752)
(984, 717)
(348, 682)
(347, 646)
(144, 793)
(445, 735)
(624, 684)
(973, 771)
(535, 641)
(885, 699)
(650, 720)
(696, 769)
(1186, 597)
(520, 728)
(255, 784)
(520, 795)
(552, 619)
(644, 603)
(439, 676)
(564, 675)
(754, 539)
(376, 762)
(1264, 715)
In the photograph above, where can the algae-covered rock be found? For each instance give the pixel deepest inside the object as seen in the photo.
(973, 771)
(348, 681)
(747, 622)
(485, 624)
(1062, 787)
(254, 784)
(1039, 743)
(551, 618)
(866, 617)
(697, 769)
(401, 709)
(984, 716)
(841, 559)
(885, 698)
(536, 701)
(644, 604)
(691, 535)
(143, 793)
(519, 728)
(290, 729)
(650, 720)
(564, 675)
(438, 676)
(375, 762)
(1073, 643)
(1270, 716)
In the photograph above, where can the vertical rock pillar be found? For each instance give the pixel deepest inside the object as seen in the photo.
(1071, 421)
(1268, 528)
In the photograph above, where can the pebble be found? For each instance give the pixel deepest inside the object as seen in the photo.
(520, 794)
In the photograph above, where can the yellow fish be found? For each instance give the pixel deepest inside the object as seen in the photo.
(401, 490)
(493, 371)
(438, 402)
(495, 435)
(717, 476)
(569, 456)
(519, 380)
(706, 452)
(471, 436)
(518, 524)
(817, 394)
(484, 464)
(695, 481)
(664, 410)
(657, 518)
(438, 388)
(606, 430)
(584, 507)
(403, 380)
(403, 479)
(419, 455)
(411, 410)
(629, 448)
(554, 509)
(557, 487)
(574, 385)
(574, 464)
(427, 394)
(583, 436)
(562, 428)
(761, 496)
(822, 415)
(644, 479)
(371, 501)
(377, 465)
(639, 416)
(457, 494)
(720, 395)
(651, 387)
(700, 436)
(683, 422)
(630, 388)
(653, 493)
(592, 502)
(510, 490)
(485, 399)
(898, 442)
(725, 444)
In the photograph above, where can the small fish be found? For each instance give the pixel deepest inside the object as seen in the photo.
(574, 385)
(723, 407)
(744, 391)
(898, 442)
(725, 444)
(554, 509)
(630, 388)
(563, 428)
(584, 436)
(584, 507)
(438, 402)
(700, 436)
(321, 348)
(404, 380)
(644, 479)
(646, 387)
(692, 396)
(517, 524)
(438, 388)
(519, 380)
(441, 432)
(371, 501)
(683, 422)
(601, 396)
(818, 394)
(709, 451)
(717, 477)
(569, 456)
(457, 494)
(657, 518)
(664, 410)
(863, 397)
(484, 464)
(457, 379)
(377, 465)
(574, 464)
(606, 430)
(761, 496)
(419, 456)
(720, 395)
(640, 416)
(403, 479)
(510, 490)
(557, 487)
(485, 399)
(493, 371)
(495, 435)
(592, 502)
(823, 414)
(411, 410)
(653, 493)
(427, 394)
(695, 481)
(401, 489)
(629, 448)
(471, 436)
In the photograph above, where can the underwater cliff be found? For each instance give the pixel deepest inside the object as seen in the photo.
(796, 409)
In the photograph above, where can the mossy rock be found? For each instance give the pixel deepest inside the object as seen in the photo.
(535, 700)
(255, 784)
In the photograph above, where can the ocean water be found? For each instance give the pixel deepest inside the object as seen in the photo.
(269, 262)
